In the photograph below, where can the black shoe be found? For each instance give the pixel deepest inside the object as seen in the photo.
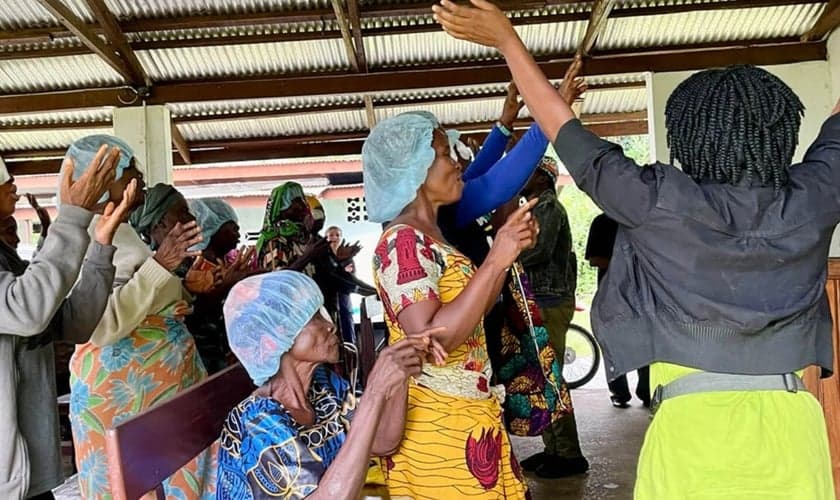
(531, 463)
(558, 467)
(618, 403)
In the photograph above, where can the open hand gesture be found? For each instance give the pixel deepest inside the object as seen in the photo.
(483, 23)
(175, 247)
(513, 104)
(113, 216)
(346, 252)
(88, 190)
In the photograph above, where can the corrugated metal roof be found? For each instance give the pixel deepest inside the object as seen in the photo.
(420, 48)
(46, 139)
(152, 9)
(54, 73)
(58, 118)
(23, 14)
(303, 124)
(222, 108)
(244, 60)
(708, 26)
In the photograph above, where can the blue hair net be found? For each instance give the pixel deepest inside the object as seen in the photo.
(264, 315)
(84, 150)
(211, 214)
(395, 158)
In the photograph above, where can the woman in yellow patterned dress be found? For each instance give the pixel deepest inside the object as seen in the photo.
(455, 444)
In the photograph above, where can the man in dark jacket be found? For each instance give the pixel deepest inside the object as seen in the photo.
(552, 270)
(599, 250)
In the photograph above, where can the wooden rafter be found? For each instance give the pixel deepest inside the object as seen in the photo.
(697, 57)
(328, 30)
(346, 36)
(356, 28)
(597, 23)
(116, 38)
(370, 112)
(90, 39)
(180, 144)
(828, 21)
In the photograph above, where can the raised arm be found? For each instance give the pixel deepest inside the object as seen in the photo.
(494, 145)
(505, 180)
(30, 301)
(613, 181)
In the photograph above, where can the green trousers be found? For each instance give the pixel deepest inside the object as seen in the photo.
(561, 437)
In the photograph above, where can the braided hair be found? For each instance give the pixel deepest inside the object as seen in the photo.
(734, 124)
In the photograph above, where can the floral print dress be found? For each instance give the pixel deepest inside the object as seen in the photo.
(455, 444)
(113, 383)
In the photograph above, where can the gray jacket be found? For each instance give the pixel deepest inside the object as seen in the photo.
(28, 303)
(713, 276)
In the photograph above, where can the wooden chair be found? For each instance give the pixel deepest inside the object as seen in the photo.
(144, 451)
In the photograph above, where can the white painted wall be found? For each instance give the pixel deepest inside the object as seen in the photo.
(834, 64)
(812, 82)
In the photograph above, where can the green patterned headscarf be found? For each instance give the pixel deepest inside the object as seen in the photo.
(159, 199)
(274, 225)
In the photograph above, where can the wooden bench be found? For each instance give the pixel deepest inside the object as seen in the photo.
(147, 449)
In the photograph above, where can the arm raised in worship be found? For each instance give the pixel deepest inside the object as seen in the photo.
(625, 192)
(494, 145)
(30, 301)
(504, 180)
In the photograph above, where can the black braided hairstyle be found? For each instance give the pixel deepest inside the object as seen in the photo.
(734, 124)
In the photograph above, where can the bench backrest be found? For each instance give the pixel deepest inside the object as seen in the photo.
(147, 449)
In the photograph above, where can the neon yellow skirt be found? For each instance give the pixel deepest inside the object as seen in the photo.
(758, 445)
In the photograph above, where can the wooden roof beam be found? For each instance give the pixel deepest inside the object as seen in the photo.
(356, 29)
(180, 144)
(91, 40)
(828, 21)
(328, 31)
(116, 38)
(346, 36)
(597, 23)
(756, 52)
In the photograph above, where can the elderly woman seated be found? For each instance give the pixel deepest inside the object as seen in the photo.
(303, 432)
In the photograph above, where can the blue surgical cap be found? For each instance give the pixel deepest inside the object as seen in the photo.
(84, 150)
(264, 315)
(395, 158)
(211, 214)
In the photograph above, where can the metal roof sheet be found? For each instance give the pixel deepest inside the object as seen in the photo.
(58, 117)
(53, 73)
(303, 124)
(46, 139)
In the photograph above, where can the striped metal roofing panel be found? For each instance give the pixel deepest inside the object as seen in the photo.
(46, 139)
(244, 60)
(222, 108)
(23, 14)
(708, 26)
(303, 124)
(58, 117)
(56, 73)
(420, 48)
(151, 9)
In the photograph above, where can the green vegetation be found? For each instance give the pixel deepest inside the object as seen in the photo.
(581, 211)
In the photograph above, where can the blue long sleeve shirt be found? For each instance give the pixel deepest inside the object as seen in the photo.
(490, 185)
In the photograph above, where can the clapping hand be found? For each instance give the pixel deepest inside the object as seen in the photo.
(113, 216)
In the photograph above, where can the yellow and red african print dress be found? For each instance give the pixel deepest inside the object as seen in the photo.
(455, 444)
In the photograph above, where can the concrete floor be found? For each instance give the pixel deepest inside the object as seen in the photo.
(611, 439)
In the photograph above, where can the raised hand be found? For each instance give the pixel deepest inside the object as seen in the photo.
(573, 85)
(511, 107)
(346, 252)
(483, 23)
(106, 226)
(88, 190)
(200, 280)
(175, 247)
(518, 233)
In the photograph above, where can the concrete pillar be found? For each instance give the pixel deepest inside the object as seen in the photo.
(811, 81)
(834, 63)
(148, 130)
